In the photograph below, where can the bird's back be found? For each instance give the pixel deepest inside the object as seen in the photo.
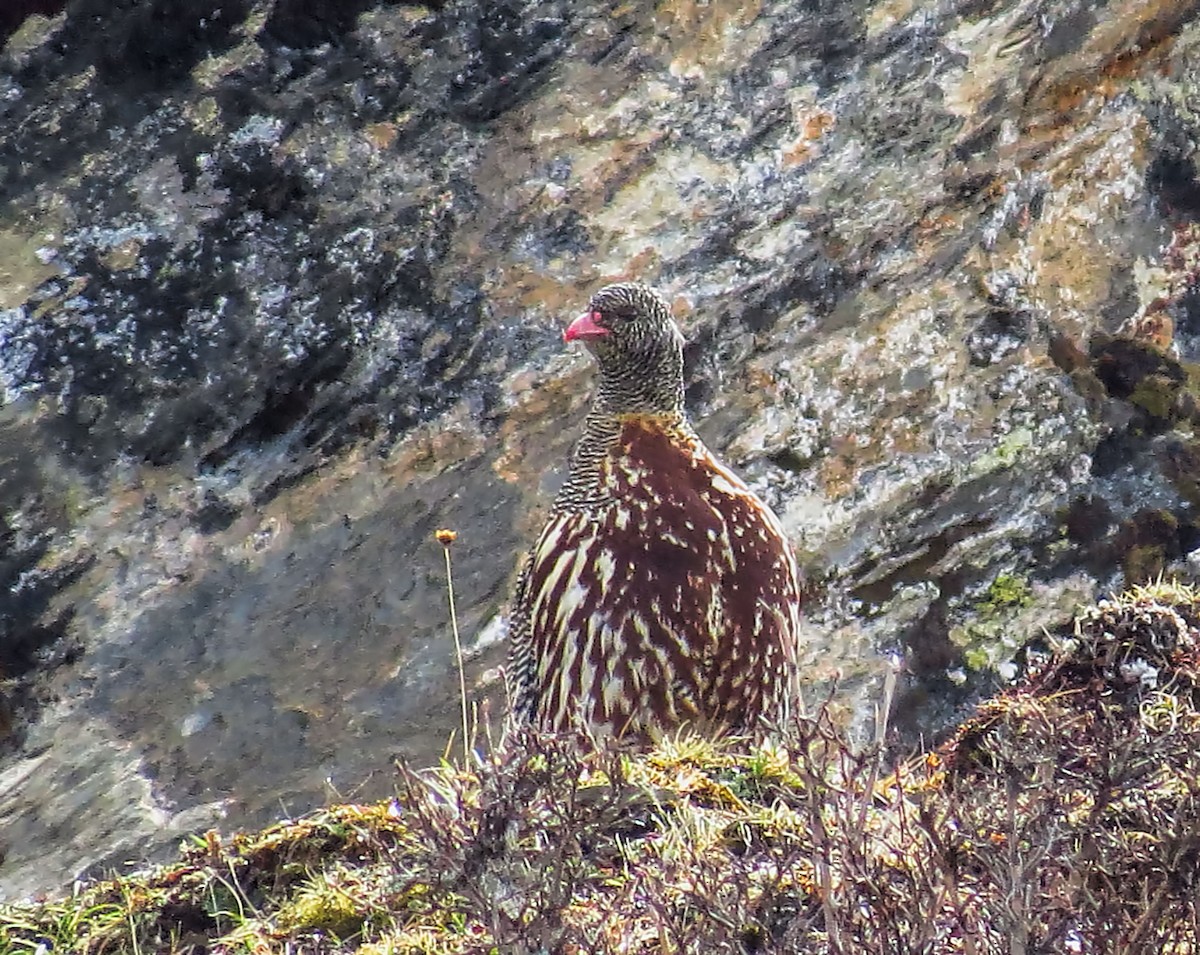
(661, 593)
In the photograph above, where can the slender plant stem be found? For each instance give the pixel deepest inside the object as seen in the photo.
(462, 675)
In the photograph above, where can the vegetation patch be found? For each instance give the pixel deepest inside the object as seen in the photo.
(993, 635)
(1063, 816)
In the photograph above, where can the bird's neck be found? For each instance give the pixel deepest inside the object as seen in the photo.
(586, 486)
(604, 435)
(651, 391)
(642, 388)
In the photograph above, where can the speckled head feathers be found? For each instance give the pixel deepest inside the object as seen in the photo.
(629, 329)
(636, 316)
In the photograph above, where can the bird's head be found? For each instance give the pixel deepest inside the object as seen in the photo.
(638, 346)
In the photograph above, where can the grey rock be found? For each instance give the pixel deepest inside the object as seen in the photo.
(281, 287)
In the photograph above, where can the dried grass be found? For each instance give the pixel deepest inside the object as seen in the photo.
(1062, 817)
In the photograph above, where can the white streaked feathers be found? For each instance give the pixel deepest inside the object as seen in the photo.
(618, 632)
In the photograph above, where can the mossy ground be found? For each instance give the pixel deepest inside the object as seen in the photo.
(1063, 816)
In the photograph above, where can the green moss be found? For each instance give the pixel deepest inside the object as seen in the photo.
(1155, 394)
(1005, 453)
(322, 904)
(978, 657)
(1007, 591)
(1192, 370)
(1144, 563)
(989, 639)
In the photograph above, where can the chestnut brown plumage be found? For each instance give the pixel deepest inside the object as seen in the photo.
(662, 592)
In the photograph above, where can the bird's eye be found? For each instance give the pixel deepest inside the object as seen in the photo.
(615, 316)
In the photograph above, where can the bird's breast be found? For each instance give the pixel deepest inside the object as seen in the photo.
(668, 593)
(676, 533)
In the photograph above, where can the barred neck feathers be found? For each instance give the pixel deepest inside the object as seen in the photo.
(629, 331)
(645, 381)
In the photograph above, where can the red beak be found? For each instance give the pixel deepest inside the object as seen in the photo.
(584, 327)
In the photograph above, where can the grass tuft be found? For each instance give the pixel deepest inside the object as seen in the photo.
(1063, 816)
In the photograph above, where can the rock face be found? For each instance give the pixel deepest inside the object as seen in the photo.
(281, 287)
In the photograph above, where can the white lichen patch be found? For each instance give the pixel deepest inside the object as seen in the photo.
(992, 47)
(1095, 179)
(645, 213)
(176, 212)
